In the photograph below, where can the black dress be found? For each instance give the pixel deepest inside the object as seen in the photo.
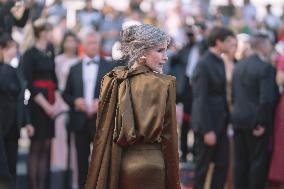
(39, 71)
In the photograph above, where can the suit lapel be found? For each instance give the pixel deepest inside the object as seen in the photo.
(80, 80)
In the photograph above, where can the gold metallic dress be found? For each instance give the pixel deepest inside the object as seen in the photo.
(135, 146)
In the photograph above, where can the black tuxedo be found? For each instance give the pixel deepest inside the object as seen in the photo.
(178, 65)
(74, 89)
(83, 127)
(209, 108)
(254, 99)
(12, 113)
(210, 113)
(253, 93)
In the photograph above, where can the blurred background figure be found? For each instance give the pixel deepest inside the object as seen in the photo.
(271, 21)
(182, 65)
(8, 19)
(210, 113)
(62, 146)
(12, 108)
(89, 17)
(109, 28)
(254, 98)
(249, 11)
(276, 170)
(39, 70)
(230, 61)
(244, 49)
(81, 94)
(56, 12)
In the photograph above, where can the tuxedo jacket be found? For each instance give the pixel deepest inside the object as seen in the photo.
(254, 93)
(74, 89)
(209, 107)
(12, 96)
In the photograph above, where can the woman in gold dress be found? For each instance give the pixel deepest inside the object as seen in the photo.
(136, 139)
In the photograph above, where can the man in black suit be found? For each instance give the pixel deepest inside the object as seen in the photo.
(210, 111)
(12, 108)
(182, 66)
(81, 93)
(254, 98)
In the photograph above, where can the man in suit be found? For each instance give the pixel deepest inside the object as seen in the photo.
(12, 107)
(210, 111)
(182, 66)
(254, 98)
(81, 94)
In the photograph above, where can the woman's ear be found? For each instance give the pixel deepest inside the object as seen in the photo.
(142, 59)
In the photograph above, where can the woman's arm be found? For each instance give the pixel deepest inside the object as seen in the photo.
(280, 77)
(45, 105)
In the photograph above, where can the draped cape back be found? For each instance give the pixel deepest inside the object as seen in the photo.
(115, 128)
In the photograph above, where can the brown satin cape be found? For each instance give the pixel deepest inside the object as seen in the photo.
(112, 130)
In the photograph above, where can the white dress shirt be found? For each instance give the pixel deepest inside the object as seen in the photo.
(90, 73)
(192, 60)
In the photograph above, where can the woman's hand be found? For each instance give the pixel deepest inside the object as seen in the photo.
(51, 110)
(30, 130)
(48, 108)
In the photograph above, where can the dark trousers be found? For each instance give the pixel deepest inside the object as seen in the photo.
(186, 126)
(10, 134)
(83, 140)
(183, 138)
(11, 149)
(6, 180)
(217, 154)
(251, 160)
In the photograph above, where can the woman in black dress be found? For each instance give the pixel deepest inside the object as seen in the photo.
(39, 70)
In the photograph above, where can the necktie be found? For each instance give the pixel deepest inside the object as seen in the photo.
(92, 62)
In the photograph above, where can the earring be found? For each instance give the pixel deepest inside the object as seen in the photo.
(142, 60)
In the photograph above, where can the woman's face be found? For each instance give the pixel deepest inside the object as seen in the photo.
(10, 51)
(46, 35)
(233, 44)
(157, 57)
(70, 44)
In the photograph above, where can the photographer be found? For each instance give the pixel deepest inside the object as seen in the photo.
(7, 17)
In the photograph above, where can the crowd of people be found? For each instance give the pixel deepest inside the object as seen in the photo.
(228, 63)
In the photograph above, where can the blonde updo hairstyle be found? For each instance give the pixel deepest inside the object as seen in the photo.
(138, 39)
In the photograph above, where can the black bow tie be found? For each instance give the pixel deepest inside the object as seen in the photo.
(92, 62)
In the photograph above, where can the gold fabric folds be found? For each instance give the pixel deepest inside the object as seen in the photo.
(118, 127)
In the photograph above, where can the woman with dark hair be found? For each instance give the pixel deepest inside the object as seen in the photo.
(67, 58)
(135, 145)
(12, 89)
(39, 70)
(63, 63)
